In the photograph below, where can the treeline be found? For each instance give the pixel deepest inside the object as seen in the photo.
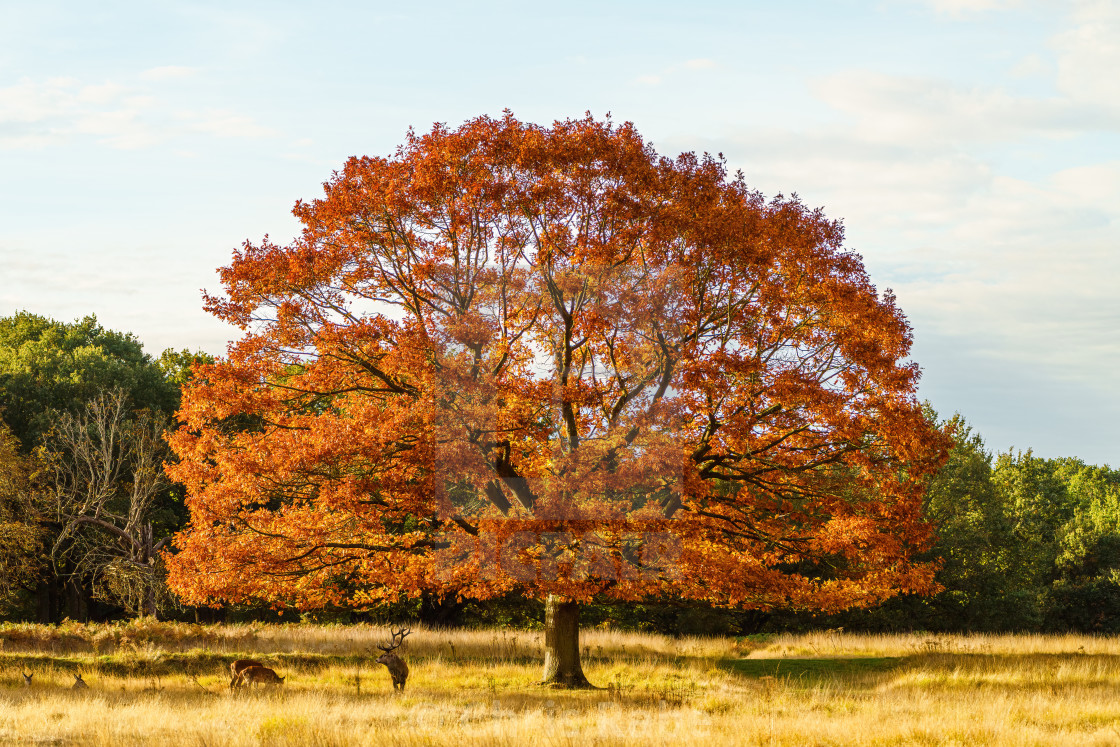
(1027, 544)
(85, 508)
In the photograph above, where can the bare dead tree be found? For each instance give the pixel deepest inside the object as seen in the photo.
(108, 477)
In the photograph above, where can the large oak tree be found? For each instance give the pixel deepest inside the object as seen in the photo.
(513, 357)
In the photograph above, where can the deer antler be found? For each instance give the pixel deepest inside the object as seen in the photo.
(398, 639)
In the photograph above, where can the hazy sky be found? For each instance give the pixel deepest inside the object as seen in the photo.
(971, 147)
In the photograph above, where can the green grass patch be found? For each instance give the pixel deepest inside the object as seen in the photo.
(813, 669)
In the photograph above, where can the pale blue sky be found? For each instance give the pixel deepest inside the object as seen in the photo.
(972, 148)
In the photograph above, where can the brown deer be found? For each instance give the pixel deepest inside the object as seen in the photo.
(27, 678)
(239, 666)
(258, 675)
(398, 670)
(79, 683)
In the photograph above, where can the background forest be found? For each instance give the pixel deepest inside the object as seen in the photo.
(1028, 544)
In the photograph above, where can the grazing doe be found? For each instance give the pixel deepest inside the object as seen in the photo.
(398, 670)
(27, 678)
(79, 683)
(258, 675)
(239, 666)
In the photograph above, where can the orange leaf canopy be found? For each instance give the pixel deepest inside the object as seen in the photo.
(547, 359)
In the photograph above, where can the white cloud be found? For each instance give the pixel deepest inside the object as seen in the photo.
(1020, 270)
(1089, 53)
(101, 95)
(228, 124)
(1025, 270)
(908, 110)
(28, 102)
(168, 72)
(959, 8)
(672, 72)
(701, 64)
(1017, 268)
(122, 128)
(875, 184)
(1032, 66)
(35, 115)
(1097, 185)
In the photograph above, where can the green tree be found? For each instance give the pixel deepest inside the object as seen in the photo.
(1036, 494)
(977, 541)
(1085, 594)
(177, 365)
(48, 366)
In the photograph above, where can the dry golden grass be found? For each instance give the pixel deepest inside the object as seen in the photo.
(167, 684)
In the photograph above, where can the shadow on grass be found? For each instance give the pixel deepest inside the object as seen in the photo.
(163, 664)
(814, 669)
(1039, 671)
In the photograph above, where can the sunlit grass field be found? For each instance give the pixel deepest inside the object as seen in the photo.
(167, 683)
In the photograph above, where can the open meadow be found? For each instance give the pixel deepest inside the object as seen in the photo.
(167, 683)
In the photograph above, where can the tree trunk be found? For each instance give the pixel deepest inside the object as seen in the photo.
(561, 645)
(150, 601)
(73, 600)
(45, 596)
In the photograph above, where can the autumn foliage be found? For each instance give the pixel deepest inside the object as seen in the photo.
(519, 357)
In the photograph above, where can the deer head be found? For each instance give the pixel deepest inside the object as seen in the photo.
(27, 678)
(395, 643)
(79, 683)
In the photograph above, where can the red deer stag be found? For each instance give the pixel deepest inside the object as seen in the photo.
(258, 675)
(398, 670)
(239, 666)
